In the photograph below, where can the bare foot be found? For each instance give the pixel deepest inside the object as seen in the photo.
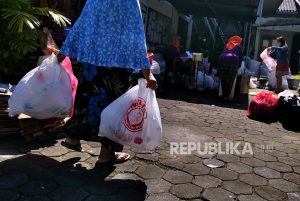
(108, 157)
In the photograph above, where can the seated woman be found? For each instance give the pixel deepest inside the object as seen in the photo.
(229, 62)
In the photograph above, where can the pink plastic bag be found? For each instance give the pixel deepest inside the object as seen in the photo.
(66, 63)
(269, 61)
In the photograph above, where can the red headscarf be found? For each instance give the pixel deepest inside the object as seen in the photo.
(233, 42)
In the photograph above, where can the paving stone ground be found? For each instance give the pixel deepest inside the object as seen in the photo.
(43, 170)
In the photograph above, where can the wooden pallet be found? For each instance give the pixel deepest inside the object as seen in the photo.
(35, 128)
(24, 125)
(8, 125)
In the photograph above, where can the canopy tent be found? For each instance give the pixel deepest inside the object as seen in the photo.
(243, 10)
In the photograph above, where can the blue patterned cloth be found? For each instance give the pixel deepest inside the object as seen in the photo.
(109, 33)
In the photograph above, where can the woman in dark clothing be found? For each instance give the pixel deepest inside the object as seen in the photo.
(172, 58)
(280, 53)
(229, 62)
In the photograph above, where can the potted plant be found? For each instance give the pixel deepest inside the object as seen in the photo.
(19, 33)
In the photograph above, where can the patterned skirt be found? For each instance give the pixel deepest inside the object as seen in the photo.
(109, 33)
(98, 87)
(228, 68)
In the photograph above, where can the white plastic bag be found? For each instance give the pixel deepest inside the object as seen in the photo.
(133, 119)
(205, 81)
(155, 68)
(273, 82)
(263, 70)
(253, 82)
(271, 64)
(44, 92)
(242, 69)
(269, 61)
(253, 67)
(286, 94)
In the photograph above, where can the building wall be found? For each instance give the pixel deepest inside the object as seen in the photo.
(271, 34)
(162, 7)
(166, 9)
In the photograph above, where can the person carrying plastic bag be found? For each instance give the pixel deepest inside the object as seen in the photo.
(109, 59)
(279, 68)
(47, 91)
(133, 119)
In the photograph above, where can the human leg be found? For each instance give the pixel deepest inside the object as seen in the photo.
(279, 83)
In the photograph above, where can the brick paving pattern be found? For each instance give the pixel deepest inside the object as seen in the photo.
(45, 171)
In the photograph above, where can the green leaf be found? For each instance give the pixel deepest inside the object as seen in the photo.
(59, 19)
(19, 35)
(17, 19)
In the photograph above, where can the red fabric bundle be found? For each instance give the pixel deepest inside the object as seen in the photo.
(263, 106)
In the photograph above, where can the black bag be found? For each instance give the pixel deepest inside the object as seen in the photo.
(289, 111)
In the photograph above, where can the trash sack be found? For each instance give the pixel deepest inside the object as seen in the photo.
(286, 94)
(66, 63)
(242, 69)
(161, 62)
(133, 119)
(253, 68)
(263, 70)
(285, 84)
(44, 92)
(272, 82)
(216, 84)
(205, 81)
(289, 110)
(269, 61)
(214, 72)
(155, 68)
(253, 83)
(263, 106)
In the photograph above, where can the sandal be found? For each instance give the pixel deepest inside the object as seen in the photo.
(74, 147)
(117, 159)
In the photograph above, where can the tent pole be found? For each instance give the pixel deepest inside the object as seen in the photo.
(249, 38)
(245, 34)
(257, 41)
(260, 8)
